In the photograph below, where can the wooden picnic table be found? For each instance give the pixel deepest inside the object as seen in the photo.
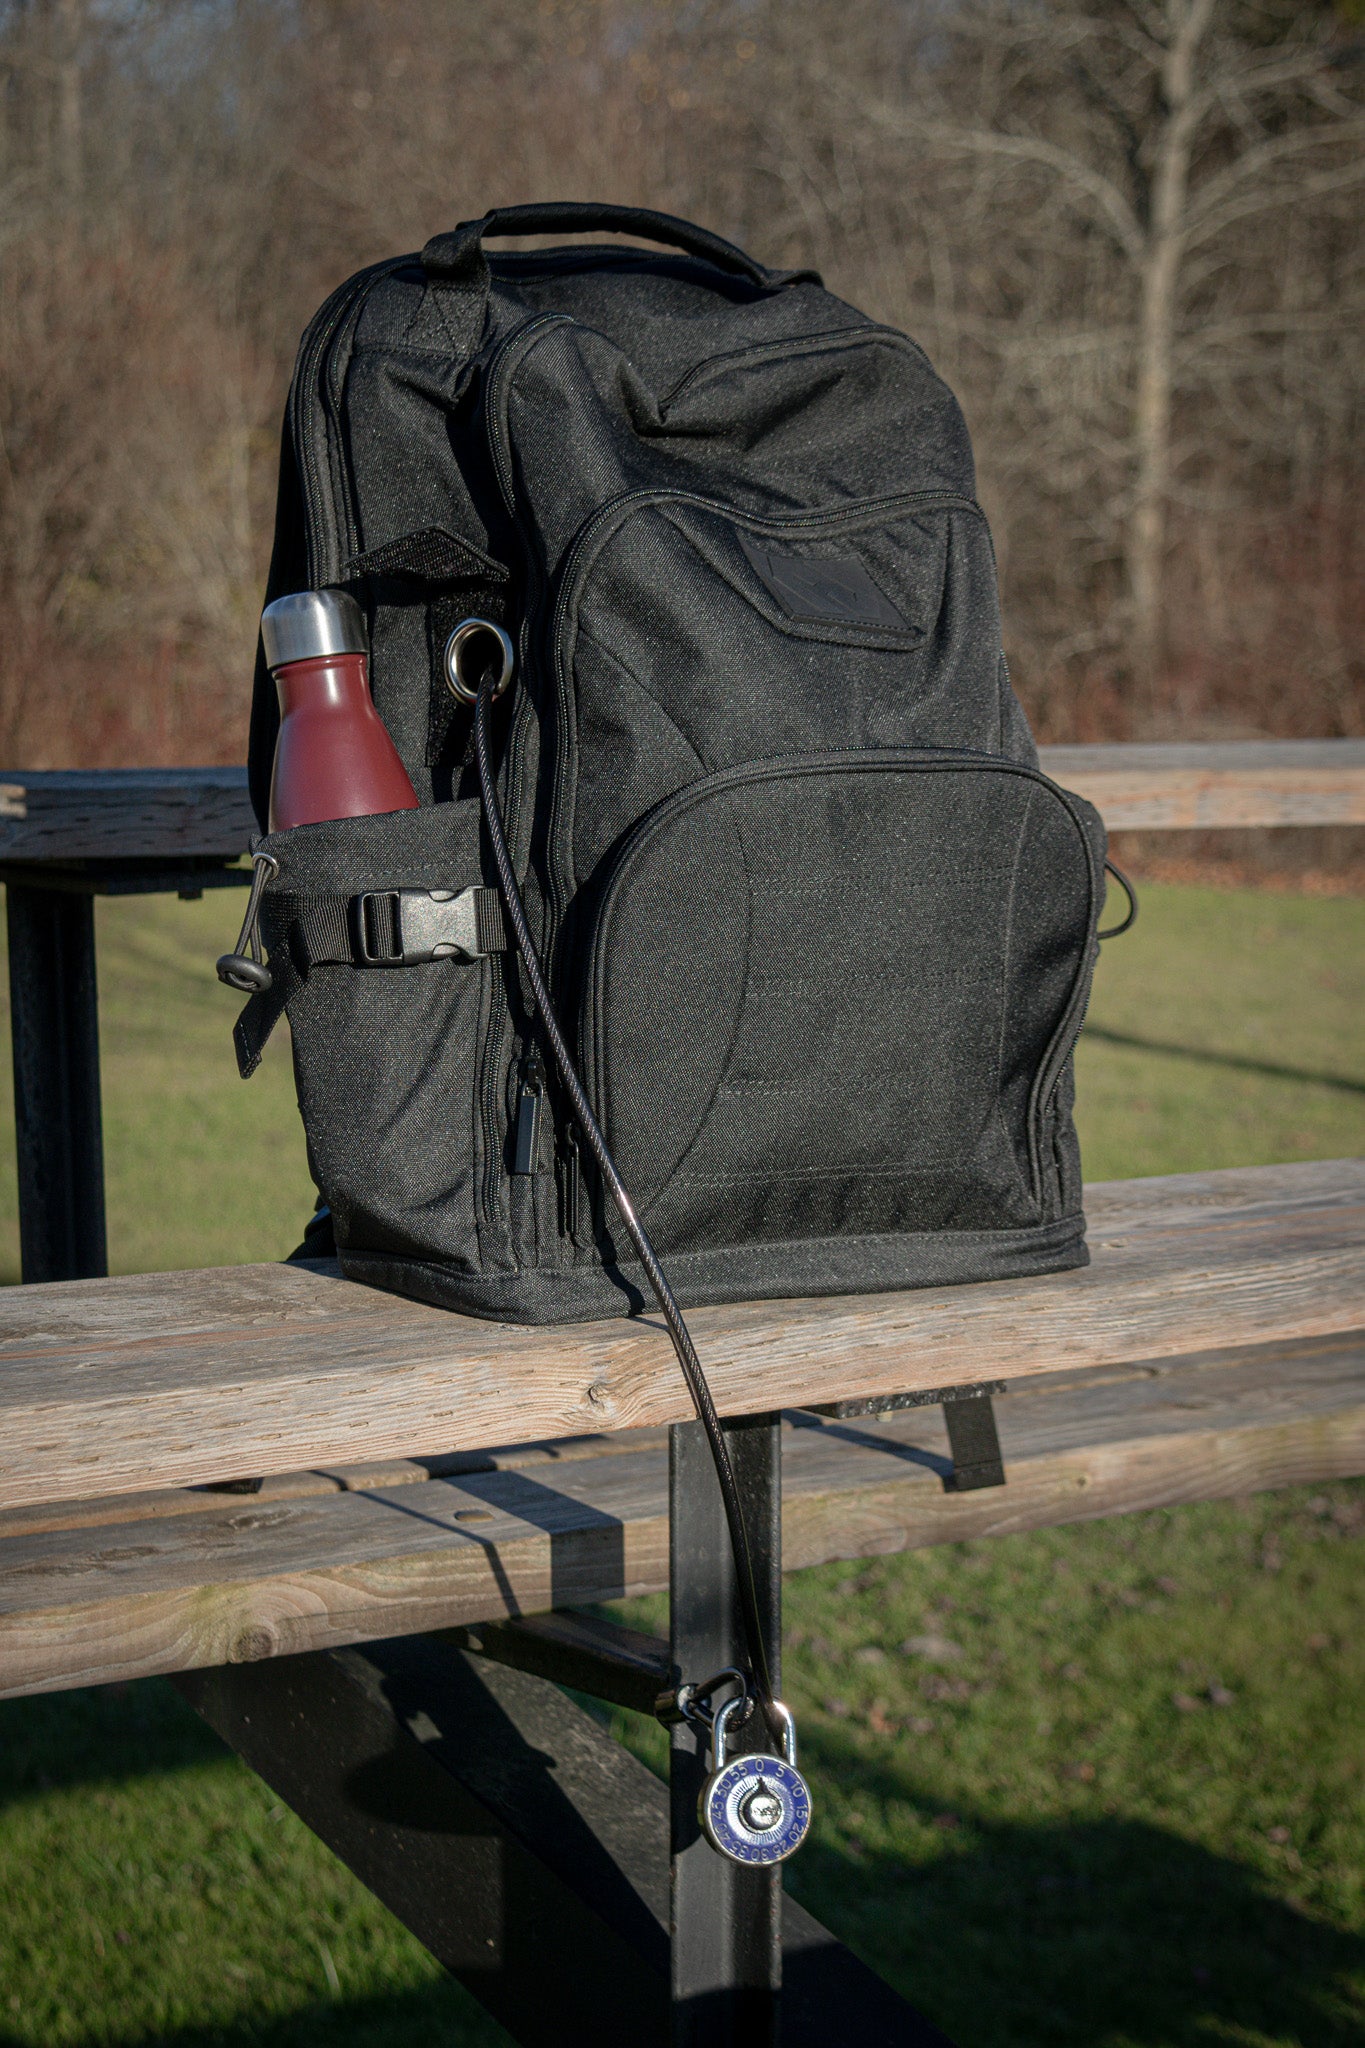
(385, 1639)
(175, 1379)
(383, 1623)
(388, 1512)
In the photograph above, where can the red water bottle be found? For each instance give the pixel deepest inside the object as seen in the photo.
(334, 757)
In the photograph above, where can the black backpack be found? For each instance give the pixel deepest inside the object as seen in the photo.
(818, 932)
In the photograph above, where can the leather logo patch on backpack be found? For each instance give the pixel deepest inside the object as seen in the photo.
(822, 589)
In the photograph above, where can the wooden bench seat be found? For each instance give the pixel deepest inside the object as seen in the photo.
(1214, 1346)
(317, 1560)
(110, 1386)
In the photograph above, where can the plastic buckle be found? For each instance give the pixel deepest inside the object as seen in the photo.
(404, 927)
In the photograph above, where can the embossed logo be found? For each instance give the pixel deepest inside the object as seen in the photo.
(822, 588)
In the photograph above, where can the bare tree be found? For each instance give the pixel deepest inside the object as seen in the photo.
(1179, 131)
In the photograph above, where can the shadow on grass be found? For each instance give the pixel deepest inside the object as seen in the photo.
(1272, 1069)
(1085, 1931)
(1086, 1934)
(99, 1735)
(1090, 1931)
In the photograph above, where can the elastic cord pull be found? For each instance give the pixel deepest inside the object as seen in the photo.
(1131, 893)
(245, 970)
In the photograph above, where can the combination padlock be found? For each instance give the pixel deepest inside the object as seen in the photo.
(754, 1809)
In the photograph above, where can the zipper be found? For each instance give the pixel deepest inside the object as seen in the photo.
(530, 1106)
(501, 369)
(497, 377)
(857, 760)
(569, 1172)
(1067, 1036)
(865, 511)
(790, 348)
(500, 372)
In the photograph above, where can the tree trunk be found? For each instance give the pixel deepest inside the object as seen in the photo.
(71, 27)
(1160, 288)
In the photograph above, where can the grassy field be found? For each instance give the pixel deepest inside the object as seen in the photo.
(1119, 1803)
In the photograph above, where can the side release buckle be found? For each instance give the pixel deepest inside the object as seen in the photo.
(404, 927)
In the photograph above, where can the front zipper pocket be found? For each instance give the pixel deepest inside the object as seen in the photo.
(832, 996)
(688, 636)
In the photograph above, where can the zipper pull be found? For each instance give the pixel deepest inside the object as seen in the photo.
(570, 1180)
(530, 1103)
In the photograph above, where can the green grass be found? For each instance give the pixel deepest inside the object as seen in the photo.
(1123, 1810)
(1226, 1029)
(201, 1169)
(1050, 1832)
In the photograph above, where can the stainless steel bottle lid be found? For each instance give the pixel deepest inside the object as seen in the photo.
(310, 623)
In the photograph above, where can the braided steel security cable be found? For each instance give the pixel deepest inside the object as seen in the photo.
(697, 1387)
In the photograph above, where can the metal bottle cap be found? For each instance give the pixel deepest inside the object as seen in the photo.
(310, 623)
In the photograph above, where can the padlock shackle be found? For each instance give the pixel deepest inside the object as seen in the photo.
(720, 1729)
(784, 1714)
(777, 1711)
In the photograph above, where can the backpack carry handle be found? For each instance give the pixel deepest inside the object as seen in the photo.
(457, 258)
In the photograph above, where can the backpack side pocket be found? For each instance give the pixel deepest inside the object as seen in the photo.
(387, 941)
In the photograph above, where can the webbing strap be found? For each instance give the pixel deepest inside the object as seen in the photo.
(319, 930)
(264, 1011)
(381, 928)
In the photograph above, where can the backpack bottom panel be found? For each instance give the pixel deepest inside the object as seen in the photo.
(753, 1272)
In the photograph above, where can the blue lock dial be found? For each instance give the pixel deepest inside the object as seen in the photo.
(754, 1809)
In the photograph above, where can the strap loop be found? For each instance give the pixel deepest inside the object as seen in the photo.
(245, 970)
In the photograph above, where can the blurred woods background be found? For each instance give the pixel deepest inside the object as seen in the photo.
(1129, 233)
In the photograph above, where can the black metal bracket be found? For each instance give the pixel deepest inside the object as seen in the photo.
(974, 1442)
(589, 1653)
(969, 1415)
(54, 1019)
(726, 1948)
(733, 1969)
(59, 1142)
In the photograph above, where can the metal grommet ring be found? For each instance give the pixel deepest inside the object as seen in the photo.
(475, 647)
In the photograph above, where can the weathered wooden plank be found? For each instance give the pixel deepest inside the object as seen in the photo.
(1171, 1201)
(321, 1483)
(177, 1379)
(251, 1578)
(124, 814)
(1141, 788)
